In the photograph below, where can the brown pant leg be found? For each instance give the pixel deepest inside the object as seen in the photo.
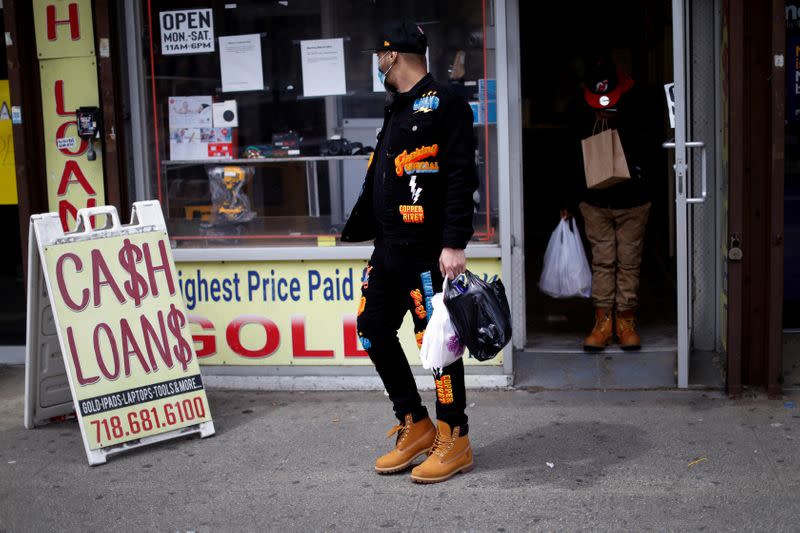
(600, 232)
(630, 230)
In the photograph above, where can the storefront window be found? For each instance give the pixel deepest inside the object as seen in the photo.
(261, 114)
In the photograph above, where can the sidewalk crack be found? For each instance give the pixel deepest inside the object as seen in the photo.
(414, 513)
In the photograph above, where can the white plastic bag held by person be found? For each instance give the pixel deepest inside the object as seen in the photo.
(440, 344)
(566, 271)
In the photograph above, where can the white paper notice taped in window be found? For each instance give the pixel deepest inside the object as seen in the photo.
(240, 63)
(323, 67)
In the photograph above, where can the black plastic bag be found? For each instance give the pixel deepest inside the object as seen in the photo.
(480, 314)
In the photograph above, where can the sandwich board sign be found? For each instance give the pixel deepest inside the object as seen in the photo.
(108, 336)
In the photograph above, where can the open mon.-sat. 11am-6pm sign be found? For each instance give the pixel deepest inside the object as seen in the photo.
(108, 335)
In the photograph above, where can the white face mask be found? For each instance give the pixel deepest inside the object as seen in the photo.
(382, 74)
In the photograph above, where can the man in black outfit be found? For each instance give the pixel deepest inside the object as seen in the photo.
(417, 204)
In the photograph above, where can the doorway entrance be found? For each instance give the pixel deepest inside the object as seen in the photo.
(791, 269)
(558, 42)
(12, 286)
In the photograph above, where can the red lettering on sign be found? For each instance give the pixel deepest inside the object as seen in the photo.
(351, 348)
(76, 361)
(73, 20)
(299, 340)
(71, 168)
(99, 267)
(58, 93)
(208, 343)
(72, 172)
(66, 208)
(131, 347)
(62, 285)
(151, 336)
(164, 267)
(98, 353)
(232, 335)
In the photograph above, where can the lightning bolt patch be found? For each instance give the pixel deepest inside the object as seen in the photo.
(415, 191)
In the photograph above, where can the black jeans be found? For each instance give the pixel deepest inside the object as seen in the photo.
(395, 283)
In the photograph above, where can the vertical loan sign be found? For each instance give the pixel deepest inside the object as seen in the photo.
(123, 330)
(65, 47)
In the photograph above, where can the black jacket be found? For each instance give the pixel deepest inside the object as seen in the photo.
(630, 117)
(420, 181)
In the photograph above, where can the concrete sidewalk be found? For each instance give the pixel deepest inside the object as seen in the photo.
(299, 462)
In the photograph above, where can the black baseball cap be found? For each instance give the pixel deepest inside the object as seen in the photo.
(601, 77)
(401, 36)
(605, 83)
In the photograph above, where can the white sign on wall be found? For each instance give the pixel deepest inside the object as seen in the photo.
(669, 90)
(240, 63)
(187, 31)
(322, 61)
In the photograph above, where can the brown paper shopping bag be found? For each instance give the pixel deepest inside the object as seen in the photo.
(603, 160)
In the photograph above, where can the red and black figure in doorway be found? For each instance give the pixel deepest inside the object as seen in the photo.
(615, 217)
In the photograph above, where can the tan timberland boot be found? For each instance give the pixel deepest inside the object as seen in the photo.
(601, 335)
(626, 330)
(413, 439)
(451, 454)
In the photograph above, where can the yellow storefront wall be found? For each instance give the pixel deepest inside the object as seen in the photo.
(286, 312)
(8, 176)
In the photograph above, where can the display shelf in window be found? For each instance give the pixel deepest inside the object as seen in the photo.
(265, 160)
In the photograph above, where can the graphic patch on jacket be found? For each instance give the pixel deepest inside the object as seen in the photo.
(427, 288)
(422, 167)
(426, 103)
(406, 159)
(419, 308)
(444, 390)
(365, 277)
(365, 342)
(420, 335)
(412, 214)
(415, 189)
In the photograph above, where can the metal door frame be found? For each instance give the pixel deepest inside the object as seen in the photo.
(683, 200)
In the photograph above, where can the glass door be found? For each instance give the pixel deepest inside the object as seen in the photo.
(685, 199)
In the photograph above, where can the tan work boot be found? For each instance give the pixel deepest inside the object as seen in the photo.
(626, 330)
(601, 335)
(413, 439)
(451, 454)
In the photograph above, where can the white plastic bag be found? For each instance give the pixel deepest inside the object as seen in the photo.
(440, 344)
(566, 271)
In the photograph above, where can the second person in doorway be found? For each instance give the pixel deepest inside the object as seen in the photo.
(616, 216)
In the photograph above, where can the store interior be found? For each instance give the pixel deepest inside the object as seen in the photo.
(12, 280)
(557, 41)
(302, 139)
